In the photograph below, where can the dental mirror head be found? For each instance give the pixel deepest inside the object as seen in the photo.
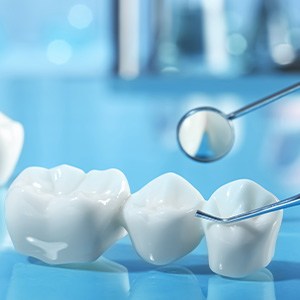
(205, 134)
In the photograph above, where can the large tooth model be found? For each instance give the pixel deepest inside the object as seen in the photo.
(160, 219)
(11, 143)
(63, 215)
(236, 250)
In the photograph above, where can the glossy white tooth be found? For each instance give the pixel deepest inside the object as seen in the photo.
(11, 143)
(63, 215)
(239, 249)
(160, 219)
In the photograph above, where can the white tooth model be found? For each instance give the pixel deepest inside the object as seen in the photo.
(239, 249)
(63, 215)
(11, 143)
(160, 219)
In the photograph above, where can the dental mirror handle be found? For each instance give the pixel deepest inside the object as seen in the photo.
(264, 101)
(289, 202)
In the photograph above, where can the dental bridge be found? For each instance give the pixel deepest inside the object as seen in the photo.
(63, 215)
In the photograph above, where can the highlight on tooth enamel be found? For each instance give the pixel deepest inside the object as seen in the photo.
(63, 215)
(239, 249)
(160, 219)
(11, 143)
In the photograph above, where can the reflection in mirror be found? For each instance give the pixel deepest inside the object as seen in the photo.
(205, 134)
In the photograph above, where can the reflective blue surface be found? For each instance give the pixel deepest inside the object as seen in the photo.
(123, 275)
(131, 126)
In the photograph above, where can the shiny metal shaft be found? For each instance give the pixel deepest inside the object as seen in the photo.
(264, 101)
(289, 202)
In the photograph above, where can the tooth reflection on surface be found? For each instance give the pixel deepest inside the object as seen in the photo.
(160, 219)
(238, 249)
(258, 286)
(162, 282)
(8, 258)
(102, 279)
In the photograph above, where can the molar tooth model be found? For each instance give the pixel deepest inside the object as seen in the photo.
(63, 215)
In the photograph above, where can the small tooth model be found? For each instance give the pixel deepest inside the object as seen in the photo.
(11, 143)
(63, 215)
(238, 249)
(160, 219)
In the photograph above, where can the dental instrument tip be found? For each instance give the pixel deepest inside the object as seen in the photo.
(208, 217)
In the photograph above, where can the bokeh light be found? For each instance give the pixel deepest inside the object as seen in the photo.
(59, 52)
(80, 16)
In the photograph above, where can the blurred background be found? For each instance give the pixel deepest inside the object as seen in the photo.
(132, 37)
(103, 84)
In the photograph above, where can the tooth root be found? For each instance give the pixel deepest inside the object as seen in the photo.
(62, 215)
(160, 219)
(237, 250)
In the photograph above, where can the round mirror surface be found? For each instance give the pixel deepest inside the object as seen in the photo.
(205, 134)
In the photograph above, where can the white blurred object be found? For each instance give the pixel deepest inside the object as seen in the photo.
(215, 36)
(11, 143)
(129, 38)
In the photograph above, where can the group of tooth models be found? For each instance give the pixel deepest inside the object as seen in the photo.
(63, 215)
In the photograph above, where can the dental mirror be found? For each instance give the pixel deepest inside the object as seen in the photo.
(289, 202)
(206, 134)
